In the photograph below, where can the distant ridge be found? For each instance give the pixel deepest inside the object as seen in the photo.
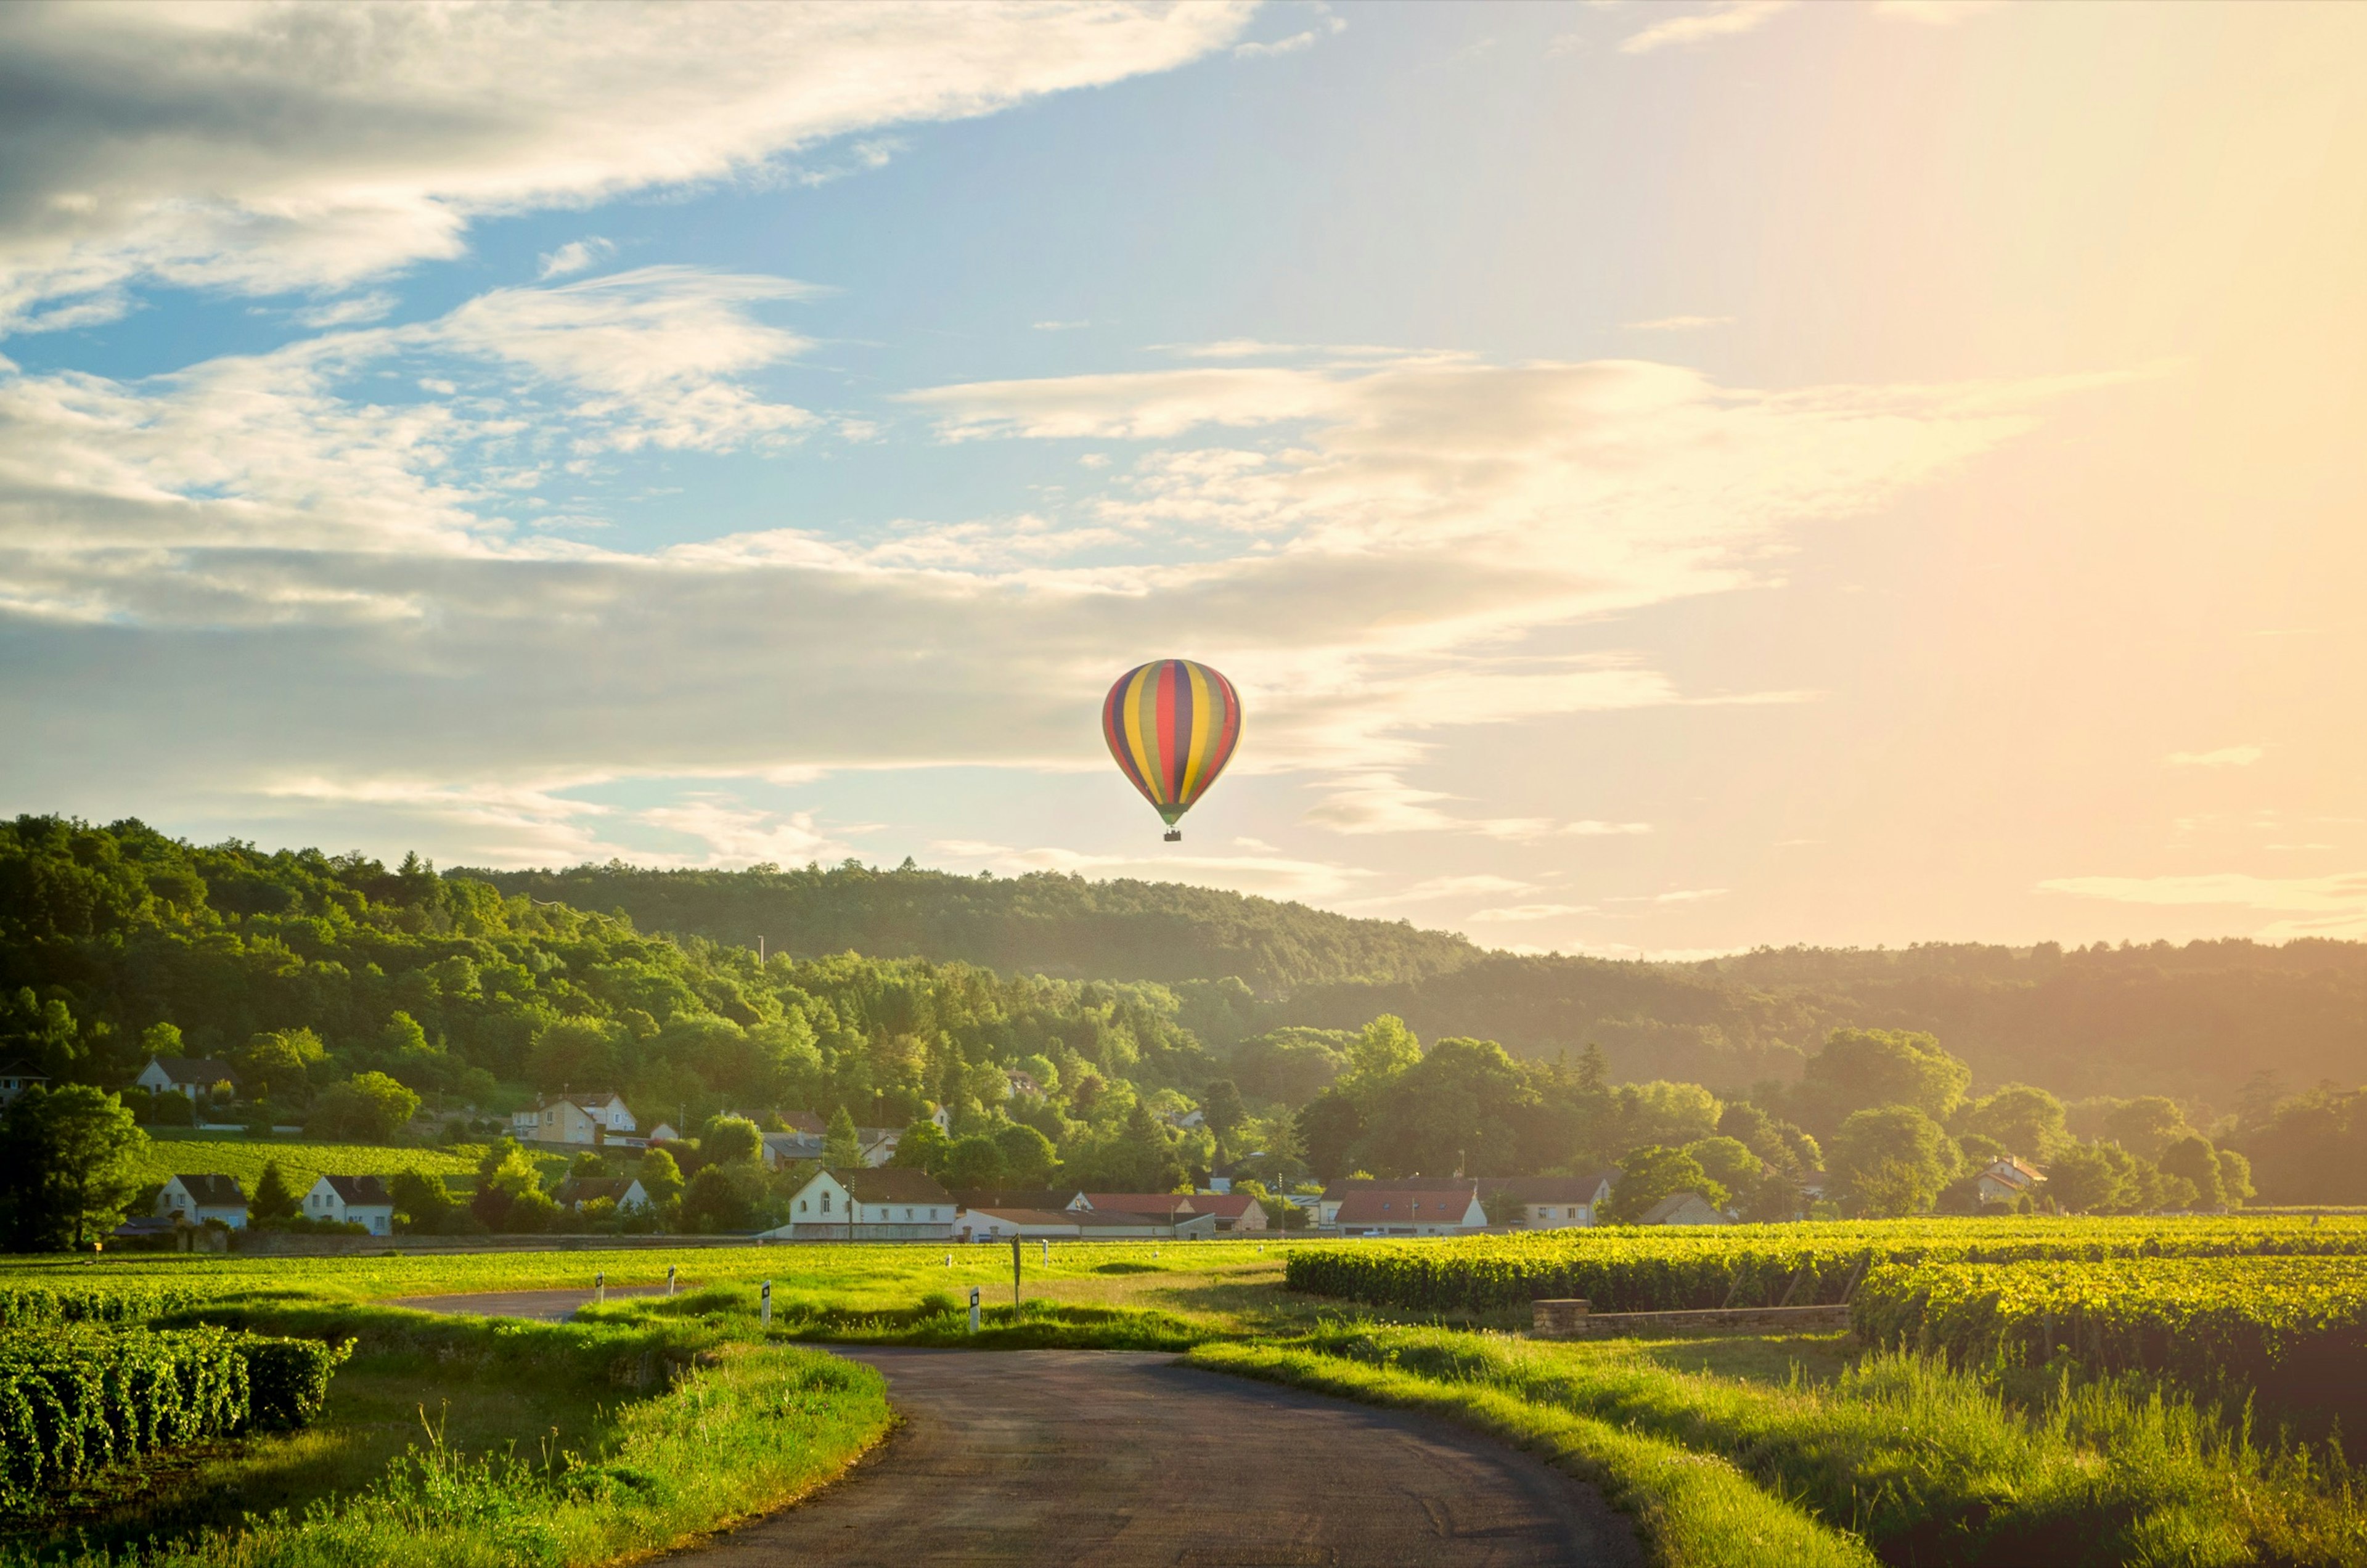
(2198, 1021)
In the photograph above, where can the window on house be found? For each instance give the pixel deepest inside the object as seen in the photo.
(825, 1202)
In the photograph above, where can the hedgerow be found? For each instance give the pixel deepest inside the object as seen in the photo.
(1689, 1269)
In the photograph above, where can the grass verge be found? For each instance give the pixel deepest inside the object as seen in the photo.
(1927, 1464)
(936, 1319)
(643, 1437)
(1692, 1510)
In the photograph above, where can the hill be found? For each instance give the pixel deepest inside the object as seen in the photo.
(2197, 1022)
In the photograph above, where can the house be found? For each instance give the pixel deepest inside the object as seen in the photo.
(573, 1119)
(2009, 1179)
(1021, 1198)
(877, 1144)
(577, 1192)
(1420, 1204)
(1555, 1203)
(186, 1075)
(1683, 1208)
(1024, 1085)
(1080, 1225)
(664, 1133)
(16, 1079)
(1412, 1210)
(198, 1199)
(1031, 1224)
(868, 1204)
(787, 1148)
(1226, 1212)
(352, 1200)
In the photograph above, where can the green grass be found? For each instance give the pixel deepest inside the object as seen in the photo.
(304, 1162)
(1928, 1464)
(469, 1440)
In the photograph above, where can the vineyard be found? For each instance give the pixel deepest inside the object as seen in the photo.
(76, 1400)
(2286, 1326)
(1679, 1270)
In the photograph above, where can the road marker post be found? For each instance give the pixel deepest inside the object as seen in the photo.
(973, 1309)
(764, 1305)
(1015, 1276)
(600, 1287)
(669, 1279)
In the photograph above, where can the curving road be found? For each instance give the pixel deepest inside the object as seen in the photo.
(1123, 1460)
(1118, 1460)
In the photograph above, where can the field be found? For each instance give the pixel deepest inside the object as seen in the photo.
(304, 1162)
(1921, 1442)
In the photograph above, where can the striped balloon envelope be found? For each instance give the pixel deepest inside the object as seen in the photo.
(1172, 724)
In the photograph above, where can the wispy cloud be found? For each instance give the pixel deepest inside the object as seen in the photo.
(575, 257)
(2225, 757)
(2332, 906)
(352, 312)
(1678, 323)
(1724, 20)
(1524, 912)
(1934, 12)
(1326, 26)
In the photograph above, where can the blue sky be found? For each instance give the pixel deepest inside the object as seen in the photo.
(1664, 477)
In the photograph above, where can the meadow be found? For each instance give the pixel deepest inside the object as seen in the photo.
(1895, 1445)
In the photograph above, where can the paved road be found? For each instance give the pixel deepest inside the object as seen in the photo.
(1124, 1460)
(1117, 1459)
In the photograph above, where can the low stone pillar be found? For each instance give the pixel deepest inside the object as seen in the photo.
(1563, 1319)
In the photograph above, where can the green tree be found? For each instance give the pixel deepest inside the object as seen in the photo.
(1220, 1102)
(660, 1179)
(924, 1146)
(2027, 1121)
(1666, 1113)
(2235, 1178)
(2093, 1179)
(723, 1198)
(840, 1144)
(572, 1053)
(1648, 1175)
(975, 1162)
(70, 1165)
(273, 1199)
(1859, 1069)
(2193, 1159)
(1457, 1109)
(1028, 1157)
(2147, 1125)
(1892, 1160)
(731, 1139)
(367, 1108)
(1330, 1128)
(1384, 1048)
(1727, 1161)
(422, 1202)
(277, 1065)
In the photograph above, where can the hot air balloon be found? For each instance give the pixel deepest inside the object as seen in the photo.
(1172, 724)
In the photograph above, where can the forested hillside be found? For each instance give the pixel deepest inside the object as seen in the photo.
(350, 996)
(2197, 1022)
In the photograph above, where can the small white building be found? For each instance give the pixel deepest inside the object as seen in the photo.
(573, 1119)
(2009, 1179)
(352, 1200)
(1556, 1202)
(1683, 1208)
(664, 1133)
(198, 1199)
(869, 1204)
(190, 1077)
(578, 1192)
(16, 1079)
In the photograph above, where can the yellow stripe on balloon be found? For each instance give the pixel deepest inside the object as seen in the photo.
(1135, 694)
(1195, 751)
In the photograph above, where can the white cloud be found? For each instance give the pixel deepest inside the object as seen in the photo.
(351, 312)
(1522, 912)
(269, 148)
(2225, 757)
(1059, 326)
(1678, 323)
(1724, 20)
(1476, 885)
(736, 836)
(1327, 26)
(2332, 906)
(1933, 13)
(575, 257)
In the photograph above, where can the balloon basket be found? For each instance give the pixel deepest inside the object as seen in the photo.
(1174, 835)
